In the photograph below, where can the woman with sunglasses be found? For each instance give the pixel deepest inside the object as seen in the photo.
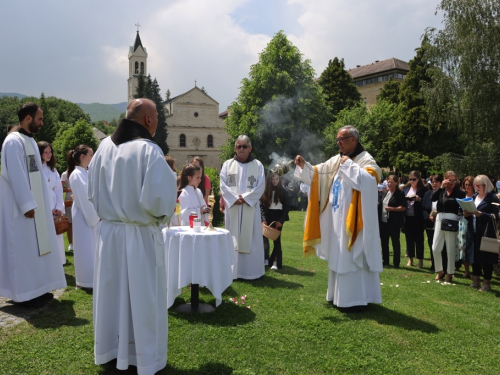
(447, 208)
(481, 223)
(414, 192)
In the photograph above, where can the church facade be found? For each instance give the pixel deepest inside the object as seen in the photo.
(194, 125)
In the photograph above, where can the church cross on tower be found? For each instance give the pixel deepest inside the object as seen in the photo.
(138, 25)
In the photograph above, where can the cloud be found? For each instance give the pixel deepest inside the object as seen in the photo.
(59, 51)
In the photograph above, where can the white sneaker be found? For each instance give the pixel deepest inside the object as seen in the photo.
(70, 247)
(266, 262)
(275, 266)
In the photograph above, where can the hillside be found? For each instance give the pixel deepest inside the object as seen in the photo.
(96, 111)
(11, 94)
(106, 112)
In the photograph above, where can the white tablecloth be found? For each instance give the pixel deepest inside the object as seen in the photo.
(203, 258)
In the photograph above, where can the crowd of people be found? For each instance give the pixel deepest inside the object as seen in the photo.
(121, 197)
(454, 234)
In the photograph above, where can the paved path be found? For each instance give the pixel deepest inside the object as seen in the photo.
(12, 314)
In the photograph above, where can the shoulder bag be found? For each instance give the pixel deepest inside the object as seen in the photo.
(488, 244)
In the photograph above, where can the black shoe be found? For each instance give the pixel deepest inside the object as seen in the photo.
(34, 303)
(353, 309)
(46, 297)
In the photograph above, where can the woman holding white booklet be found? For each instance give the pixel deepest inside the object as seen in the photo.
(481, 223)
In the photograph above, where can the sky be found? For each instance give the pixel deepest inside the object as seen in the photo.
(78, 50)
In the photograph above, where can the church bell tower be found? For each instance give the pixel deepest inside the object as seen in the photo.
(137, 65)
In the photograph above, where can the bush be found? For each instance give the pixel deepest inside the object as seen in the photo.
(214, 177)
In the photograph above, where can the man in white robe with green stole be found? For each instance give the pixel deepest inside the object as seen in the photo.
(242, 183)
(133, 191)
(343, 196)
(30, 264)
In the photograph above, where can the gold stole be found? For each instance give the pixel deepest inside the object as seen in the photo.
(354, 221)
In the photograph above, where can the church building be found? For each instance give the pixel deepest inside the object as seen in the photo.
(194, 125)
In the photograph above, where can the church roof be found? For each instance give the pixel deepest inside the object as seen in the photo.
(379, 67)
(187, 92)
(137, 41)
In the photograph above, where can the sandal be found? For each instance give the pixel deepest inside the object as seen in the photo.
(485, 288)
(475, 285)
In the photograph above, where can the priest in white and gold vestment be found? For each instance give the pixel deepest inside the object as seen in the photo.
(343, 197)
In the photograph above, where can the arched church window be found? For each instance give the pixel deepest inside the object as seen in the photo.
(210, 141)
(142, 68)
(182, 140)
(136, 70)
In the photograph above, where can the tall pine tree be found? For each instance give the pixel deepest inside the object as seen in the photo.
(338, 87)
(416, 141)
(150, 89)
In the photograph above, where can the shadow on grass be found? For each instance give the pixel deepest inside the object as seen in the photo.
(271, 282)
(226, 315)
(211, 368)
(388, 317)
(58, 314)
(295, 272)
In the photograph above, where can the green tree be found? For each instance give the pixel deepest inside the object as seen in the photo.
(417, 141)
(465, 91)
(375, 126)
(48, 131)
(55, 111)
(338, 87)
(390, 91)
(150, 89)
(69, 138)
(279, 106)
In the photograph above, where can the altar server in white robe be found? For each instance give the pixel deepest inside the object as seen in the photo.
(343, 197)
(85, 218)
(242, 183)
(30, 265)
(133, 191)
(191, 198)
(49, 173)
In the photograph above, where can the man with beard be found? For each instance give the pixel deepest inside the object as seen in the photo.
(30, 266)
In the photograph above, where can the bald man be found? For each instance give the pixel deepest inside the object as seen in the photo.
(133, 191)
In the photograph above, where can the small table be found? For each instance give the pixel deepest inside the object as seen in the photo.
(198, 258)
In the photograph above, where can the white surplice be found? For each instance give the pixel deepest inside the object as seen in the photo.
(133, 191)
(354, 275)
(191, 199)
(24, 274)
(57, 203)
(247, 266)
(85, 220)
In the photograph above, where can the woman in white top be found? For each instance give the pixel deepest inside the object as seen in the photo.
(191, 198)
(85, 217)
(49, 173)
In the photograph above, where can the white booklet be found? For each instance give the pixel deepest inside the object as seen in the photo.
(467, 204)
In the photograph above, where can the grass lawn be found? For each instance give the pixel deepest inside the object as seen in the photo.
(287, 327)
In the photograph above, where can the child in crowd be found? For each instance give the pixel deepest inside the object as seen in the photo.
(191, 198)
(274, 206)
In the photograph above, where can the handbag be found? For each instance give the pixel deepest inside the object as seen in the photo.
(488, 244)
(449, 225)
(61, 223)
